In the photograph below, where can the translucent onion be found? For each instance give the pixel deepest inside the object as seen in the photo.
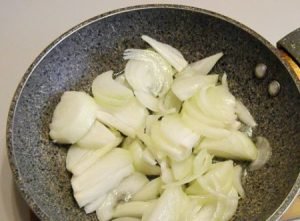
(264, 153)
(72, 117)
(171, 54)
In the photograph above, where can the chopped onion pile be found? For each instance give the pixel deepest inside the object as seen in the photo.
(144, 146)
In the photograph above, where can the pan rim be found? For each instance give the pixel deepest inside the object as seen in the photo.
(11, 115)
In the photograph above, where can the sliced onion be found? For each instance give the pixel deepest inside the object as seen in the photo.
(218, 103)
(201, 67)
(236, 146)
(150, 191)
(133, 209)
(110, 93)
(161, 143)
(136, 151)
(129, 119)
(183, 168)
(167, 206)
(166, 173)
(205, 65)
(93, 206)
(237, 180)
(264, 153)
(203, 129)
(74, 155)
(109, 164)
(110, 182)
(147, 71)
(99, 136)
(72, 117)
(244, 114)
(128, 187)
(169, 103)
(171, 54)
(148, 100)
(126, 219)
(90, 158)
(177, 133)
(186, 87)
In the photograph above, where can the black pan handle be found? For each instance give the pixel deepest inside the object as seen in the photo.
(289, 48)
(291, 45)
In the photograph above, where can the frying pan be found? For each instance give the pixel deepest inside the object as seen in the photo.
(96, 45)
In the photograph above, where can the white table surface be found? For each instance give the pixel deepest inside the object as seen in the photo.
(28, 26)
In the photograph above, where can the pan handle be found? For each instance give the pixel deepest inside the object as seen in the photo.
(290, 48)
(290, 52)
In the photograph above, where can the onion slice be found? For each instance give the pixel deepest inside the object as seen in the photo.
(171, 54)
(264, 153)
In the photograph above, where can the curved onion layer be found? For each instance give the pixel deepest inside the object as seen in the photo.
(244, 115)
(73, 117)
(99, 136)
(172, 55)
(110, 93)
(186, 87)
(129, 119)
(126, 189)
(235, 146)
(201, 67)
(264, 153)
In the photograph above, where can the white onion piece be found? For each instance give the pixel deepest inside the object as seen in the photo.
(74, 155)
(203, 129)
(166, 173)
(201, 67)
(99, 136)
(205, 65)
(235, 146)
(171, 54)
(244, 115)
(224, 81)
(110, 93)
(150, 191)
(104, 167)
(226, 207)
(148, 157)
(126, 219)
(264, 153)
(90, 158)
(93, 206)
(136, 151)
(72, 117)
(237, 180)
(161, 143)
(127, 188)
(183, 168)
(218, 103)
(205, 213)
(190, 108)
(147, 71)
(186, 87)
(167, 207)
(129, 119)
(110, 182)
(169, 103)
(202, 162)
(132, 209)
(148, 100)
(177, 133)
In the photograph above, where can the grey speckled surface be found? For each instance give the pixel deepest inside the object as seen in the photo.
(73, 60)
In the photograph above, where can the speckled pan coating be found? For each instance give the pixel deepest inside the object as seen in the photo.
(75, 58)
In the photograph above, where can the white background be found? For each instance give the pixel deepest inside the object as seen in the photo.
(28, 26)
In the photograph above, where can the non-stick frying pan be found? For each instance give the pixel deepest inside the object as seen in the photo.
(75, 58)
